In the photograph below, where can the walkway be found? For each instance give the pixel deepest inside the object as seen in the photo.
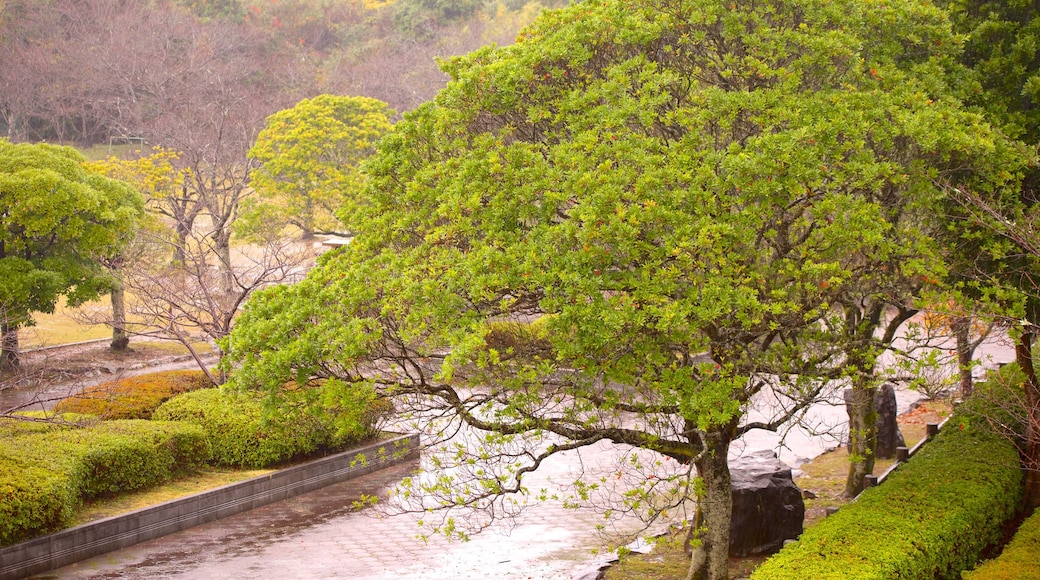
(318, 535)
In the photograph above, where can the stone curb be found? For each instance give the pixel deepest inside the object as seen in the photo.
(88, 540)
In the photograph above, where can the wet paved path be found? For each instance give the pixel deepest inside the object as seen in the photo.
(318, 535)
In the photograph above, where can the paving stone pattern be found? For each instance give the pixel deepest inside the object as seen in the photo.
(319, 535)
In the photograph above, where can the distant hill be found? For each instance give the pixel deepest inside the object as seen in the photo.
(96, 71)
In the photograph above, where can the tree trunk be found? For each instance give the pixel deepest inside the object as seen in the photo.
(179, 251)
(9, 356)
(1031, 461)
(862, 434)
(714, 510)
(222, 249)
(962, 333)
(120, 339)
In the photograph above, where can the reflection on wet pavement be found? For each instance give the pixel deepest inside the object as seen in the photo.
(320, 535)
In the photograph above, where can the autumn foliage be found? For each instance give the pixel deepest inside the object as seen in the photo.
(133, 397)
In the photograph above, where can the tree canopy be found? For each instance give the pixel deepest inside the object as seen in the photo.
(629, 224)
(58, 220)
(1002, 50)
(1002, 57)
(309, 159)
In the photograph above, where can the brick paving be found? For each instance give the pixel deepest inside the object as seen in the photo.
(319, 535)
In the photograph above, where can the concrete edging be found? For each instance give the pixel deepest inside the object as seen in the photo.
(92, 539)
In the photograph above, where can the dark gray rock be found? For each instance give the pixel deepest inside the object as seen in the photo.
(889, 437)
(767, 505)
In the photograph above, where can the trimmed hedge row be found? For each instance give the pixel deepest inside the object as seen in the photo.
(134, 397)
(44, 475)
(1018, 561)
(243, 433)
(48, 468)
(930, 519)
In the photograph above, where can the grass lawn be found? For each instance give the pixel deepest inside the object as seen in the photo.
(69, 326)
(62, 327)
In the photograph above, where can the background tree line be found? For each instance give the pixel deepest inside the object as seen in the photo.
(191, 85)
(87, 72)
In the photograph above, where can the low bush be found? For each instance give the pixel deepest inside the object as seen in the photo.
(931, 519)
(245, 433)
(46, 474)
(33, 500)
(1018, 561)
(133, 397)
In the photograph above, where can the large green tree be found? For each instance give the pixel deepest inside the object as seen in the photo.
(309, 159)
(624, 228)
(57, 220)
(1002, 49)
(1002, 56)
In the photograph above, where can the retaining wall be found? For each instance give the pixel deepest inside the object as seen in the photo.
(86, 541)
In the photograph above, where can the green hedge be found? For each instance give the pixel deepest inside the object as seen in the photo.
(930, 519)
(33, 500)
(46, 474)
(134, 397)
(245, 433)
(1020, 559)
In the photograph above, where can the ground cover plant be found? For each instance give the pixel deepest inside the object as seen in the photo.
(133, 397)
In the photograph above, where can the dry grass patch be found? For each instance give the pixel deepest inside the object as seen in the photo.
(206, 479)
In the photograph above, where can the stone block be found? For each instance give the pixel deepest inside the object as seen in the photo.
(767, 506)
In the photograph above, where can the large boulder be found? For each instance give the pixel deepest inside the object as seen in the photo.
(767, 505)
(889, 437)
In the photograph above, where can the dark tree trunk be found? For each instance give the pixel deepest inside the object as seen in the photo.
(714, 509)
(179, 252)
(1031, 461)
(9, 355)
(862, 434)
(962, 333)
(120, 338)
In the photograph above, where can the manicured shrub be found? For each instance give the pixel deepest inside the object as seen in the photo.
(245, 433)
(1018, 561)
(46, 474)
(931, 519)
(33, 500)
(133, 397)
(126, 455)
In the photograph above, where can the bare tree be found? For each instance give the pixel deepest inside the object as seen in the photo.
(197, 299)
